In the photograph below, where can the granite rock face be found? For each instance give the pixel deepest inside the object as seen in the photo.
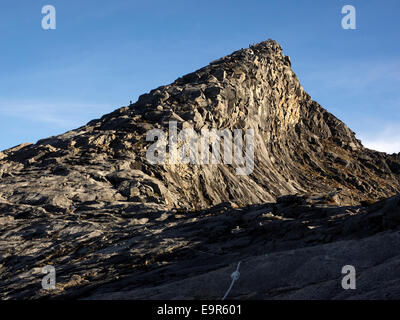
(90, 203)
(293, 249)
(299, 146)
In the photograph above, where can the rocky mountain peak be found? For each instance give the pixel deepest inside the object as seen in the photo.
(243, 85)
(116, 225)
(299, 147)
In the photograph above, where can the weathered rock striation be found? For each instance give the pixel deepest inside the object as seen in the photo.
(299, 146)
(90, 202)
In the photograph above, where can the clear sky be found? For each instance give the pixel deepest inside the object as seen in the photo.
(103, 54)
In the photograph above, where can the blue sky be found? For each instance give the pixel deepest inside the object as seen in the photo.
(105, 53)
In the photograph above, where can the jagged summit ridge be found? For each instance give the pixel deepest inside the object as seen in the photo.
(299, 146)
(233, 85)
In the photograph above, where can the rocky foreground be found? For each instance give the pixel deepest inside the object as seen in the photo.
(114, 225)
(293, 249)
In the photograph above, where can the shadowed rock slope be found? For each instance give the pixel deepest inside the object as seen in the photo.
(90, 203)
(293, 249)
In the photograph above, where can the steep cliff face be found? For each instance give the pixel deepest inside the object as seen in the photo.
(299, 147)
